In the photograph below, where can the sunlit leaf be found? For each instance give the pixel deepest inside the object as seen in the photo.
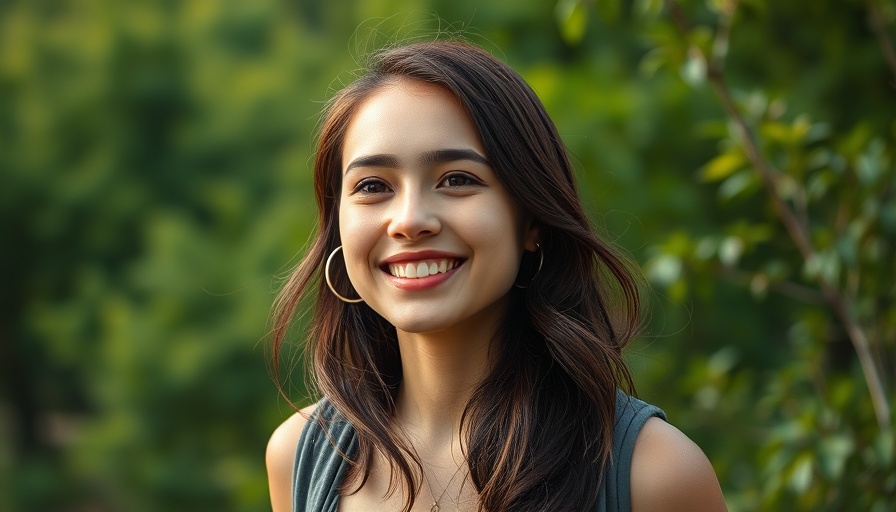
(722, 166)
(824, 265)
(801, 474)
(778, 132)
(739, 183)
(694, 69)
(818, 132)
(722, 361)
(819, 183)
(759, 285)
(664, 269)
(572, 19)
(833, 452)
(755, 104)
(885, 445)
(870, 164)
(706, 248)
(730, 251)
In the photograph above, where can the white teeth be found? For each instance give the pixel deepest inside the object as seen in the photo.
(422, 269)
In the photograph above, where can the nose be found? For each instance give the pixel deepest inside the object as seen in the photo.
(413, 218)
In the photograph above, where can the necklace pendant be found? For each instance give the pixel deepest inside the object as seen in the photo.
(435, 508)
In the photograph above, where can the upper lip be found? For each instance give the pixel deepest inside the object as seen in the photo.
(403, 257)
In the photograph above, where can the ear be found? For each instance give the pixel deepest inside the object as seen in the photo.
(531, 235)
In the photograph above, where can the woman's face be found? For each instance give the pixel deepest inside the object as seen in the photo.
(431, 239)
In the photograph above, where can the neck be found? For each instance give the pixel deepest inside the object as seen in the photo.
(440, 372)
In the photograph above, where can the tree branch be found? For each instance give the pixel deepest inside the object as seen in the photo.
(879, 28)
(797, 232)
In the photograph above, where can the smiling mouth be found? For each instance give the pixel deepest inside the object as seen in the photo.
(425, 268)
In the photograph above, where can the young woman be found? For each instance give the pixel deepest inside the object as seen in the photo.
(468, 324)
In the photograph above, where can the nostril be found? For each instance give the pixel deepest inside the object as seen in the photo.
(414, 228)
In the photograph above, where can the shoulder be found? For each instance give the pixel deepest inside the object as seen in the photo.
(671, 473)
(280, 458)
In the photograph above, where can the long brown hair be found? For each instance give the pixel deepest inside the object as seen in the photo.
(539, 426)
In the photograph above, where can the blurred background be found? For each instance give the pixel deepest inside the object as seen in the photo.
(155, 190)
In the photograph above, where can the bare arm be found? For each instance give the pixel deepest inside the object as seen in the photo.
(670, 473)
(280, 459)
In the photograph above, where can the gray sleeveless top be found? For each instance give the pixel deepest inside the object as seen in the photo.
(320, 469)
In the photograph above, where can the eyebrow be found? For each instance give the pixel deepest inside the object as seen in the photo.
(440, 156)
(437, 156)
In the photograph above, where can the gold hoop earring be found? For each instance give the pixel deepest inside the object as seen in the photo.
(538, 270)
(330, 283)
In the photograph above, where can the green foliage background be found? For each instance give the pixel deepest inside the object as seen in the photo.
(155, 189)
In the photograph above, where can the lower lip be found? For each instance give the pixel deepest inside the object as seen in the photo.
(421, 283)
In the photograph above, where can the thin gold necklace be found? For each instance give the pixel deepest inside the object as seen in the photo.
(435, 504)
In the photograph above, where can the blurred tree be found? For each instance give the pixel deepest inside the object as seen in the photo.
(149, 157)
(806, 172)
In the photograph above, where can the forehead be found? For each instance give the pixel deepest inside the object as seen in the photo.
(407, 116)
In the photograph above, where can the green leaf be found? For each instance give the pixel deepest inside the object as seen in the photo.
(778, 132)
(608, 10)
(722, 361)
(706, 248)
(885, 446)
(755, 104)
(870, 164)
(759, 286)
(694, 69)
(730, 251)
(741, 182)
(653, 61)
(833, 453)
(649, 8)
(664, 269)
(776, 270)
(818, 184)
(572, 20)
(786, 186)
(825, 265)
(701, 38)
(801, 474)
(851, 147)
(717, 6)
(722, 166)
(664, 36)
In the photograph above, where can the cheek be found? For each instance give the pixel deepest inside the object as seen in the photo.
(357, 238)
(499, 229)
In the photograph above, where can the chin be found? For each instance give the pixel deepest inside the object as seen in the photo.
(418, 326)
(422, 320)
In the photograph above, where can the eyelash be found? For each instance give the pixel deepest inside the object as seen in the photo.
(367, 182)
(470, 180)
(363, 186)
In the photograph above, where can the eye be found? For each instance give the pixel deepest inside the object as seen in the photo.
(458, 180)
(371, 186)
